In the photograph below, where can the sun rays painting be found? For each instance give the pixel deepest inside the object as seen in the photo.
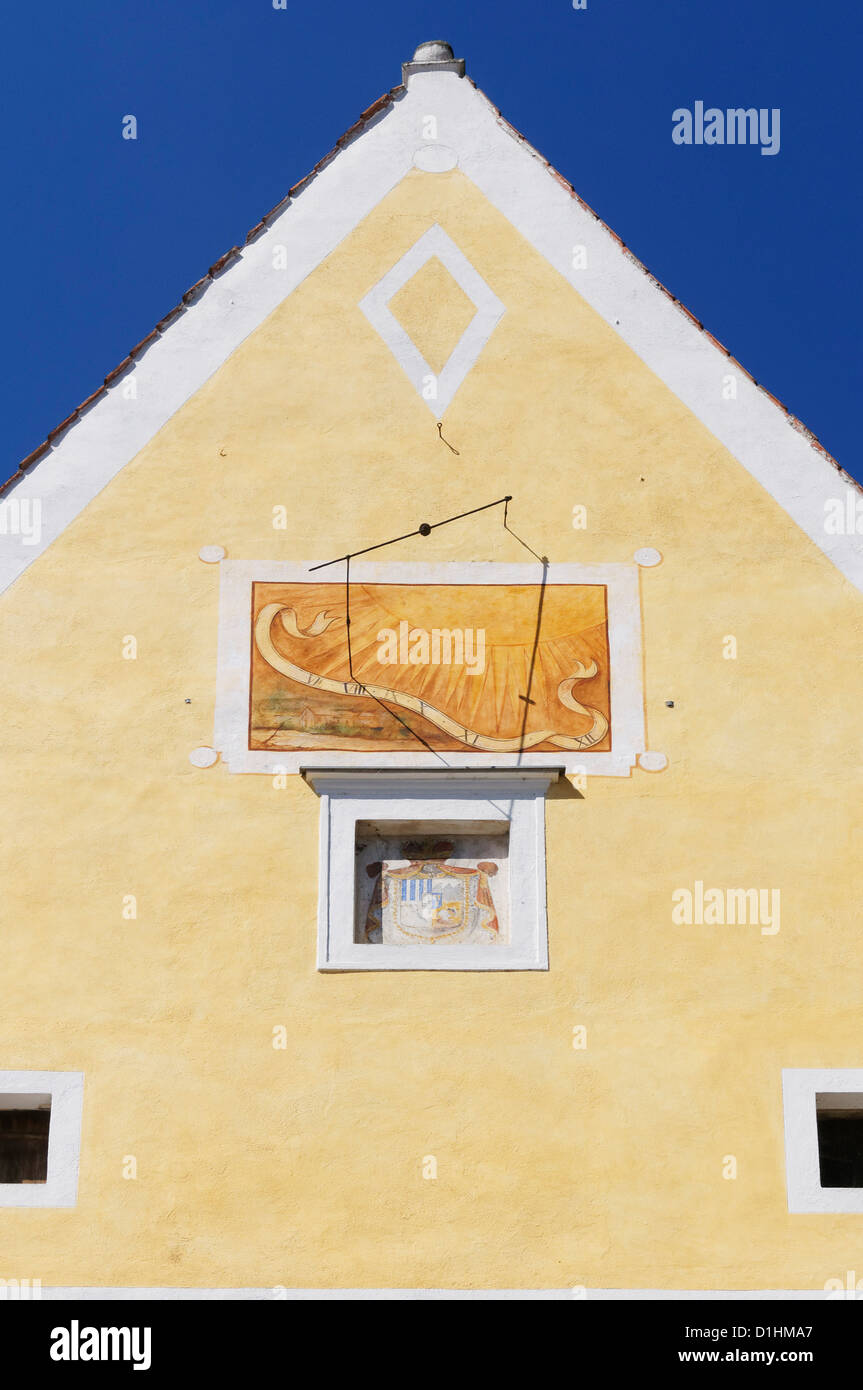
(488, 668)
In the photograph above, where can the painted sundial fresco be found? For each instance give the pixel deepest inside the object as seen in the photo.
(493, 668)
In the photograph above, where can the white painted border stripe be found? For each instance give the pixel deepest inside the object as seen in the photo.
(425, 1295)
(518, 183)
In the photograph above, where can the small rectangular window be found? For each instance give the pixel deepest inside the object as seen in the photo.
(40, 1137)
(824, 1138)
(24, 1124)
(432, 869)
(840, 1139)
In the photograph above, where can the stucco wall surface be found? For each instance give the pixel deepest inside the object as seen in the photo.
(303, 1166)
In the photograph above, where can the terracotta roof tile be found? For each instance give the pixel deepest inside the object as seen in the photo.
(100, 391)
(689, 314)
(255, 232)
(716, 342)
(196, 290)
(223, 262)
(37, 453)
(275, 211)
(118, 370)
(144, 343)
(64, 425)
(172, 314)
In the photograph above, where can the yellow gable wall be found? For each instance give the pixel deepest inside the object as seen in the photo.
(303, 1167)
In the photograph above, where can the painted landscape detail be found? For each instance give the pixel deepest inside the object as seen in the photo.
(450, 662)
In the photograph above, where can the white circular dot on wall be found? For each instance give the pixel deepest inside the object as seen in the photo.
(652, 762)
(435, 159)
(647, 557)
(203, 757)
(211, 554)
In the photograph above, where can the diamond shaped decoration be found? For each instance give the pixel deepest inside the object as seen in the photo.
(437, 389)
(434, 312)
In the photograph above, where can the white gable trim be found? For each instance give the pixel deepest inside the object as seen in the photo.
(519, 184)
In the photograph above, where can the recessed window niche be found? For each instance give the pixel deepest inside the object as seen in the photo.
(24, 1123)
(839, 1119)
(40, 1137)
(432, 870)
(824, 1139)
(418, 884)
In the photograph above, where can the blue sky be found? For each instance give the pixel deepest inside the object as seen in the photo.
(235, 101)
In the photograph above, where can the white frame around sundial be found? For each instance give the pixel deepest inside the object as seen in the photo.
(621, 582)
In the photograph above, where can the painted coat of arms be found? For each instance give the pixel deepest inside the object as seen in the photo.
(431, 901)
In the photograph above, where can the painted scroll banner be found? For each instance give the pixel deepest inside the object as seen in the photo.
(455, 664)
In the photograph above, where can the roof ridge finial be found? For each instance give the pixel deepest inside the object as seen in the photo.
(435, 55)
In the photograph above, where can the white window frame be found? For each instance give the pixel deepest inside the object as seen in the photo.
(66, 1089)
(513, 798)
(800, 1086)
